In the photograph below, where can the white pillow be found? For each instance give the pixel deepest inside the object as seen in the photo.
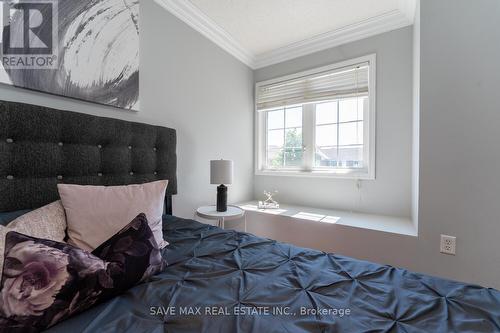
(47, 222)
(95, 213)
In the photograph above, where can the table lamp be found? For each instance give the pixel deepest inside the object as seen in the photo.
(221, 172)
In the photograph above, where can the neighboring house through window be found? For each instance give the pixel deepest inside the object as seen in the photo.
(319, 122)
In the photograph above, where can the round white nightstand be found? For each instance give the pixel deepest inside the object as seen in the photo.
(211, 213)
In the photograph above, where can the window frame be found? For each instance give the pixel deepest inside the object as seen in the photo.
(308, 132)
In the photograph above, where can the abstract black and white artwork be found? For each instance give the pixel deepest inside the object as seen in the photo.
(96, 52)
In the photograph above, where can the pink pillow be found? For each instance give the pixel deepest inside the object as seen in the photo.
(95, 213)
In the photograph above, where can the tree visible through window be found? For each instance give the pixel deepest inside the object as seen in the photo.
(284, 138)
(338, 139)
(318, 122)
(289, 156)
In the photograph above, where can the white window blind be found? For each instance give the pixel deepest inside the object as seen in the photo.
(312, 88)
(319, 122)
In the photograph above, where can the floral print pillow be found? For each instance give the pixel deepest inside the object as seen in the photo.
(45, 282)
(134, 253)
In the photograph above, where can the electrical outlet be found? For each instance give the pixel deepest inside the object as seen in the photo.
(448, 244)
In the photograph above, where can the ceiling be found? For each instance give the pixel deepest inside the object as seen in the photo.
(264, 32)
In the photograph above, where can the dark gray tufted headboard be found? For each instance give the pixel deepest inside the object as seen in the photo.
(40, 147)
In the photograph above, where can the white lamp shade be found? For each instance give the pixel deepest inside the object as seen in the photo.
(221, 172)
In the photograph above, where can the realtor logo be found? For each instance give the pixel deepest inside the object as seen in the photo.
(29, 34)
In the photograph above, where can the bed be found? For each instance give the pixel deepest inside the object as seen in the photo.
(218, 280)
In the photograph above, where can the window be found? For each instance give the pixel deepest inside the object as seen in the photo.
(284, 138)
(319, 122)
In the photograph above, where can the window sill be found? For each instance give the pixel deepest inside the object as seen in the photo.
(390, 224)
(348, 174)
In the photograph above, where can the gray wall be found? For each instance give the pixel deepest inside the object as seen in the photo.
(189, 84)
(416, 117)
(459, 127)
(390, 193)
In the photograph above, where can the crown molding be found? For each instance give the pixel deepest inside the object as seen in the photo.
(408, 8)
(195, 18)
(353, 32)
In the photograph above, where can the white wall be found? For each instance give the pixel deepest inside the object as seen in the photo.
(189, 84)
(458, 123)
(390, 193)
(416, 117)
(459, 157)
(376, 246)
(459, 137)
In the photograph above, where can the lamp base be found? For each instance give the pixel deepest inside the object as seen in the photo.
(221, 198)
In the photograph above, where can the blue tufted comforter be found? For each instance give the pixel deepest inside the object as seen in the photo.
(225, 281)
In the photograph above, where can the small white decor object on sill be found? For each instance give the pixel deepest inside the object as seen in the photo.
(269, 203)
